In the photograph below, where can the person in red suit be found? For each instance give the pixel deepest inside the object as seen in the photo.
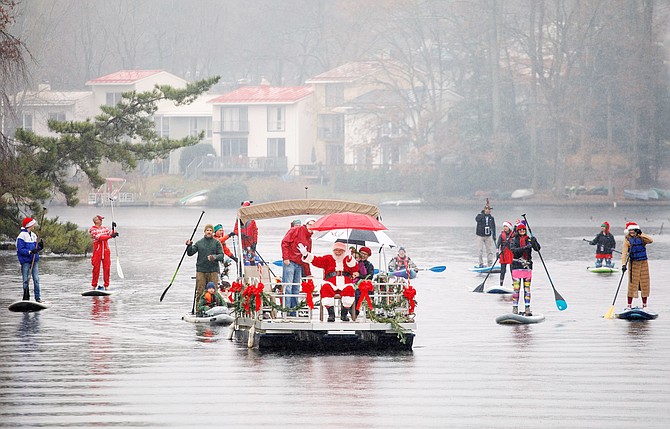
(101, 255)
(338, 275)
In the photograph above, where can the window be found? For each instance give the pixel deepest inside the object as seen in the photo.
(334, 95)
(276, 118)
(112, 98)
(196, 125)
(162, 126)
(27, 121)
(234, 147)
(57, 116)
(277, 148)
(234, 119)
(330, 127)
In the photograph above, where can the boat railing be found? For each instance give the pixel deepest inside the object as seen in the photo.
(388, 301)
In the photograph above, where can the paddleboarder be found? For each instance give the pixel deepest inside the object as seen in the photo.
(210, 253)
(635, 245)
(506, 255)
(605, 244)
(100, 235)
(486, 233)
(522, 266)
(27, 251)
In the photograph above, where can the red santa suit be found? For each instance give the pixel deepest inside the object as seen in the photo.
(338, 277)
(100, 235)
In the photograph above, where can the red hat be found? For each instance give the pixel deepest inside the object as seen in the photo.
(631, 225)
(28, 222)
(366, 250)
(246, 203)
(96, 216)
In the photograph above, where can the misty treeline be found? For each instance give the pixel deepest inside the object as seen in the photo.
(551, 92)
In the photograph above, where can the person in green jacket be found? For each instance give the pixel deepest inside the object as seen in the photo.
(210, 253)
(210, 299)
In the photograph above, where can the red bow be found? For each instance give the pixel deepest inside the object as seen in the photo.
(246, 294)
(410, 293)
(235, 287)
(307, 287)
(257, 293)
(365, 287)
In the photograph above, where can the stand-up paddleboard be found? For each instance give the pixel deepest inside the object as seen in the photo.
(25, 306)
(500, 290)
(485, 270)
(637, 313)
(519, 319)
(97, 292)
(603, 270)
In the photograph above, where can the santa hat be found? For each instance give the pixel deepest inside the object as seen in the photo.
(520, 224)
(508, 225)
(630, 225)
(366, 250)
(28, 222)
(339, 245)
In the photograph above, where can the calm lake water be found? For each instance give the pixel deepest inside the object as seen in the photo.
(129, 361)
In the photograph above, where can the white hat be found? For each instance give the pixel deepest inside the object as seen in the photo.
(630, 225)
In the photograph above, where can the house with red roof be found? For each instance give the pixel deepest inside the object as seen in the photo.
(262, 129)
(107, 89)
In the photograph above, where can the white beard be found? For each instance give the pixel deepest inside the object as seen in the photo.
(339, 262)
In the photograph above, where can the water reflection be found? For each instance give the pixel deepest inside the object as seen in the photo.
(100, 308)
(29, 326)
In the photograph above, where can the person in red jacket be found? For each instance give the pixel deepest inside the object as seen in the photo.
(506, 255)
(248, 234)
(294, 269)
(338, 276)
(101, 255)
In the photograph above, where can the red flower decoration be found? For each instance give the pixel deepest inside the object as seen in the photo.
(307, 287)
(257, 293)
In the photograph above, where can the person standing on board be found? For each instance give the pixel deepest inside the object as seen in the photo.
(486, 231)
(248, 234)
(522, 266)
(210, 253)
(506, 255)
(101, 254)
(605, 244)
(27, 250)
(220, 235)
(635, 246)
(338, 275)
(293, 268)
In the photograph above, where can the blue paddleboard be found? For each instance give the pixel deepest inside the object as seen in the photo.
(637, 313)
(484, 270)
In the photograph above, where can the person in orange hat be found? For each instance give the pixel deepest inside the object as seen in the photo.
(101, 254)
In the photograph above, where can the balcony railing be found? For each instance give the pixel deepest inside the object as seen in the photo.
(230, 127)
(212, 165)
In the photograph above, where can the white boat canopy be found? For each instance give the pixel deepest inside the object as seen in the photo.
(284, 208)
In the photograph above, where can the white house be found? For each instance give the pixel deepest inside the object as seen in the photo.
(264, 129)
(107, 89)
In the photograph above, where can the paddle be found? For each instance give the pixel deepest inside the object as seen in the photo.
(182, 257)
(480, 288)
(560, 302)
(435, 269)
(610, 312)
(119, 271)
(611, 250)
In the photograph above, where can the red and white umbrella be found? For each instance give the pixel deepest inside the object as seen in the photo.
(359, 237)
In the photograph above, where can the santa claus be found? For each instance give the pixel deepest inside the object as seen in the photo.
(338, 276)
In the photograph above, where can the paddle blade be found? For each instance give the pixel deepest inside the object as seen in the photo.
(479, 289)
(561, 304)
(119, 271)
(278, 263)
(610, 313)
(438, 269)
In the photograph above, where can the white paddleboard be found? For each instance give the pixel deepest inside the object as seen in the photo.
(96, 292)
(519, 319)
(25, 306)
